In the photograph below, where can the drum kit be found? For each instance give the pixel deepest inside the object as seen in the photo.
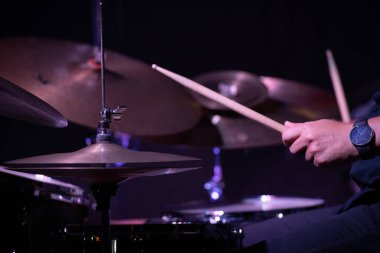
(69, 83)
(50, 82)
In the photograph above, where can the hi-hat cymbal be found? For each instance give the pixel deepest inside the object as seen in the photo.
(104, 162)
(65, 75)
(19, 104)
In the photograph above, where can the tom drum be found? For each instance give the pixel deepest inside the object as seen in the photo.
(33, 206)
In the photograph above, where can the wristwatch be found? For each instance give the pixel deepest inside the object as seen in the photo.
(362, 137)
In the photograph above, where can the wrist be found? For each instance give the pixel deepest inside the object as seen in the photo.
(362, 137)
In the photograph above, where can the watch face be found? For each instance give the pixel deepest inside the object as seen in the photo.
(361, 135)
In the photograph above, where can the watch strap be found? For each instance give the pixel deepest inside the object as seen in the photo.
(365, 151)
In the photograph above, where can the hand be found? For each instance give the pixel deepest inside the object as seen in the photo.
(323, 141)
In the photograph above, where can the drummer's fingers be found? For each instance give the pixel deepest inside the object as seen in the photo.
(311, 151)
(298, 145)
(291, 132)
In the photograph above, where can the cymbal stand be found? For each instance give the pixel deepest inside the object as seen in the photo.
(215, 185)
(103, 192)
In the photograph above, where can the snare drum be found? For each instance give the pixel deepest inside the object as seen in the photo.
(33, 206)
(250, 209)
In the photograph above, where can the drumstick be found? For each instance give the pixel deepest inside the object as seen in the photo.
(338, 88)
(233, 105)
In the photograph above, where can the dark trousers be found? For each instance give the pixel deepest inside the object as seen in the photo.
(321, 230)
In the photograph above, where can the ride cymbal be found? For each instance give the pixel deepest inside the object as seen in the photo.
(65, 75)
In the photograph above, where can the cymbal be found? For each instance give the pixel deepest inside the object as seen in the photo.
(240, 86)
(64, 74)
(297, 93)
(254, 208)
(74, 189)
(228, 130)
(250, 90)
(219, 127)
(19, 104)
(260, 203)
(104, 162)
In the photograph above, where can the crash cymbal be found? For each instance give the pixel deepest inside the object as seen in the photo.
(65, 75)
(104, 162)
(17, 103)
(240, 86)
(251, 90)
(297, 93)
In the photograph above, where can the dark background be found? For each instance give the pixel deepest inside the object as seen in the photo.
(285, 39)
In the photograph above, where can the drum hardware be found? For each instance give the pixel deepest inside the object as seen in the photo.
(208, 238)
(35, 205)
(215, 185)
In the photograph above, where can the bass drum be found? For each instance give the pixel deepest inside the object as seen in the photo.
(257, 208)
(34, 206)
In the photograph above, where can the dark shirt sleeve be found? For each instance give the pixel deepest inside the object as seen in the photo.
(367, 172)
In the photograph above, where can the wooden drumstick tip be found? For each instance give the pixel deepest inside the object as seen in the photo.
(154, 66)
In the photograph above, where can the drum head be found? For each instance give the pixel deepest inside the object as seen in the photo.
(255, 208)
